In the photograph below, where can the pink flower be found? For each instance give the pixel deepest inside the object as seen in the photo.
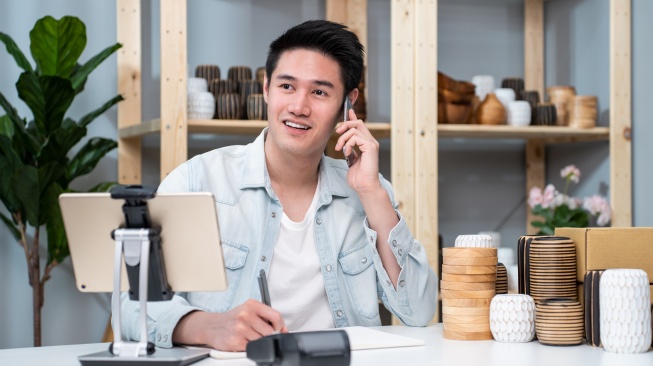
(597, 205)
(535, 197)
(548, 196)
(571, 172)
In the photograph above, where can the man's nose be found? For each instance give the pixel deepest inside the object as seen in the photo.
(300, 105)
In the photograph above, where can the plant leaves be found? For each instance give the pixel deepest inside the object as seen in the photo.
(48, 97)
(61, 141)
(57, 44)
(79, 75)
(25, 184)
(10, 224)
(7, 193)
(84, 121)
(57, 242)
(13, 50)
(87, 158)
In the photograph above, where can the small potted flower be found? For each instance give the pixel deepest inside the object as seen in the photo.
(561, 210)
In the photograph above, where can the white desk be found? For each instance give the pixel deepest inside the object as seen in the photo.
(437, 351)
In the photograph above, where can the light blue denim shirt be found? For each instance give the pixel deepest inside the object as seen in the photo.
(249, 215)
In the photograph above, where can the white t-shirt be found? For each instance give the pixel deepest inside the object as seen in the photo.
(295, 280)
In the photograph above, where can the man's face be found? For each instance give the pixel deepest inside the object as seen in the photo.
(304, 97)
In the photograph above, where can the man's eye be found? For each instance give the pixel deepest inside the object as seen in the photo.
(286, 86)
(320, 92)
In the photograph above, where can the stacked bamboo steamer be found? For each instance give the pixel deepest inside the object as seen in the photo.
(469, 272)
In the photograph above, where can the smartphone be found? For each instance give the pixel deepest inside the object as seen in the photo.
(346, 107)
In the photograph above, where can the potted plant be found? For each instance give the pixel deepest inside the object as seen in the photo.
(35, 165)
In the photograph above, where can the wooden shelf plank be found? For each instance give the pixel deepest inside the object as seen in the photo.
(383, 129)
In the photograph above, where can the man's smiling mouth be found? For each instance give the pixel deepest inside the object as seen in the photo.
(295, 125)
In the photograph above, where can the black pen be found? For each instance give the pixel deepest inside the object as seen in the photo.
(263, 286)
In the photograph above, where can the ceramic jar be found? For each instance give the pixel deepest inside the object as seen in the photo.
(563, 99)
(221, 86)
(196, 85)
(505, 96)
(484, 85)
(545, 114)
(260, 75)
(516, 84)
(238, 73)
(257, 109)
(247, 87)
(208, 72)
(228, 106)
(512, 318)
(201, 105)
(519, 113)
(625, 311)
(491, 111)
(474, 241)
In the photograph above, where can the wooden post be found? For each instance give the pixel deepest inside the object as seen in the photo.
(535, 174)
(174, 121)
(129, 86)
(620, 113)
(534, 46)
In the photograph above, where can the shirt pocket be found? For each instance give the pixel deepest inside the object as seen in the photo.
(360, 278)
(235, 257)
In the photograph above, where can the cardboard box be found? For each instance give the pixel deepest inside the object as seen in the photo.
(611, 247)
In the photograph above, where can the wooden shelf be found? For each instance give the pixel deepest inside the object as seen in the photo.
(382, 130)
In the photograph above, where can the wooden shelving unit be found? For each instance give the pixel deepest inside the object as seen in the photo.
(414, 130)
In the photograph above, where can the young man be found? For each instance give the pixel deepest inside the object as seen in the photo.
(328, 235)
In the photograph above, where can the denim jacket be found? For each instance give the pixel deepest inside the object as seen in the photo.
(249, 216)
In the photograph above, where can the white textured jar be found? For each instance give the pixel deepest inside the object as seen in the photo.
(474, 241)
(505, 96)
(197, 85)
(484, 85)
(512, 318)
(201, 105)
(624, 303)
(519, 113)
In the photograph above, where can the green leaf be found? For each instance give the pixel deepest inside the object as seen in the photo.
(61, 141)
(12, 228)
(79, 75)
(57, 44)
(88, 157)
(13, 50)
(48, 97)
(103, 187)
(25, 184)
(7, 193)
(57, 242)
(84, 121)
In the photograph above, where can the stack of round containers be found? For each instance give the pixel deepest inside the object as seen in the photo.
(469, 272)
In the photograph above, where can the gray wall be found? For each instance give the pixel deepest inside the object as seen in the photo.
(481, 181)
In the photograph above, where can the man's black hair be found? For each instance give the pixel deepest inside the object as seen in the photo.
(331, 39)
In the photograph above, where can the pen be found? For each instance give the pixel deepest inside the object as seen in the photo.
(263, 286)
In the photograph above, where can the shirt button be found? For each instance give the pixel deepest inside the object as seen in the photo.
(371, 239)
(274, 214)
(387, 282)
(158, 337)
(364, 260)
(339, 313)
(400, 251)
(402, 283)
(318, 221)
(328, 268)
(263, 258)
(394, 243)
(165, 338)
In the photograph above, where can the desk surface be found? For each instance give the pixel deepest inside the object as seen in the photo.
(438, 351)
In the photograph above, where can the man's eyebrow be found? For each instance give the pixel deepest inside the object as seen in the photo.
(325, 83)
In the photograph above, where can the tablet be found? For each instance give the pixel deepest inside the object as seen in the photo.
(190, 239)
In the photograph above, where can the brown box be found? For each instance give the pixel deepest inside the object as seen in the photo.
(612, 247)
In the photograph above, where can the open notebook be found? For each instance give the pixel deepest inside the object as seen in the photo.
(359, 338)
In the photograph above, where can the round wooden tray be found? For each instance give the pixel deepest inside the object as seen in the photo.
(469, 269)
(466, 319)
(469, 252)
(481, 294)
(453, 310)
(468, 303)
(469, 278)
(470, 261)
(465, 327)
(467, 336)
(466, 286)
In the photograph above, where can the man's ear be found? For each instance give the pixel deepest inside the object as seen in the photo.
(266, 88)
(353, 95)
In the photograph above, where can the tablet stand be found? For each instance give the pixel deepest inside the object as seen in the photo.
(140, 244)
